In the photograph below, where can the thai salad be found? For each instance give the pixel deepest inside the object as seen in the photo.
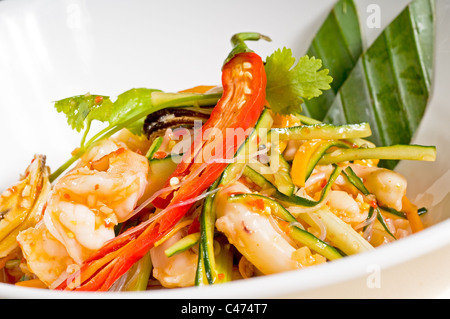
(205, 186)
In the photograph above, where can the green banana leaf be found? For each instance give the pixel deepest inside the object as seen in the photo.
(390, 84)
(339, 44)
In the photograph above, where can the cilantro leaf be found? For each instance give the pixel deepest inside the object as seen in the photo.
(288, 85)
(82, 109)
(129, 104)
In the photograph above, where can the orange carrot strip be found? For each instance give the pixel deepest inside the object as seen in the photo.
(198, 89)
(412, 215)
(32, 283)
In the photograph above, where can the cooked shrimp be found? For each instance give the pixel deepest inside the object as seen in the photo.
(116, 180)
(346, 207)
(175, 271)
(255, 236)
(83, 208)
(388, 186)
(45, 256)
(21, 205)
(89, 201)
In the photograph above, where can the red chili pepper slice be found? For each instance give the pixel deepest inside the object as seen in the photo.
(194, 227)
(243, 99)
(160, 155)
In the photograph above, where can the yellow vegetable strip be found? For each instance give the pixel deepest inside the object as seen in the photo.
(412, 215)
(301, 160)
(175, 229)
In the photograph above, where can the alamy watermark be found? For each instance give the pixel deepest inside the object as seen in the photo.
(373, 20)
(373, 280)
(213, 145)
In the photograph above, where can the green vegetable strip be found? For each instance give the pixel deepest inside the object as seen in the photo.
(341, 234)
(185, 99)
(260, 181)
(224, 262)
(138, 275)
(369, 216)
(298, 234)
(282, 177)
(200, 277)
(183, 244)
(207, 226)
(354, 141)
(307, 120)
(314, 243)
(392, 211)
(320, 152)
(319, 131)
(154, 147)
(144, 273)
(394, 152)
(355, 180)
(358, 183)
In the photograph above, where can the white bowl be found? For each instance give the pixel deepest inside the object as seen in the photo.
(52, 49)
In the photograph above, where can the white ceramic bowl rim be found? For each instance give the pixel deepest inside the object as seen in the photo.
(283, 284)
